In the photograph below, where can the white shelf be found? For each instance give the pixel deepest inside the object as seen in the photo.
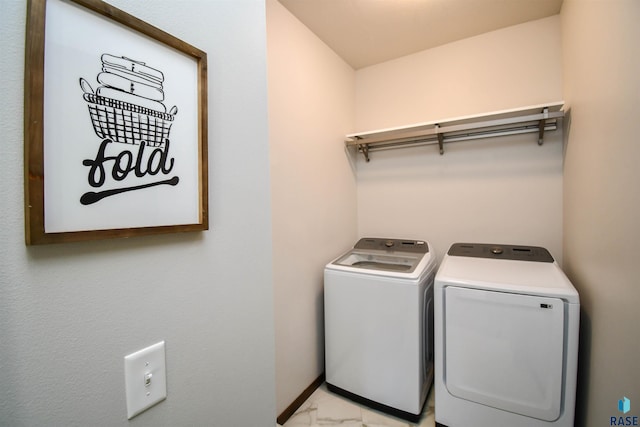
(533, 119)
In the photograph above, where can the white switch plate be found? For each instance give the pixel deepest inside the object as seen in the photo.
(145, 378)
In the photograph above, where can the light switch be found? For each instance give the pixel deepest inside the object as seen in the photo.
(145, 378)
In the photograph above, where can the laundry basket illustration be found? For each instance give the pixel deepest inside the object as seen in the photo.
(125, 122)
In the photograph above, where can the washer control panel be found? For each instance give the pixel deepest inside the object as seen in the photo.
(512, 252)
(400, 245)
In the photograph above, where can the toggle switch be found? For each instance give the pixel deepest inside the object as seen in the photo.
(145, 379)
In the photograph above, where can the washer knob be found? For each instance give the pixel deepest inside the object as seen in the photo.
(497, 250)
(389, 243)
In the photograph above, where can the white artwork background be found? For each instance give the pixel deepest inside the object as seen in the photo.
(75, 40)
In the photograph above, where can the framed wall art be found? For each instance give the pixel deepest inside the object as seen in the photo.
(115, 126)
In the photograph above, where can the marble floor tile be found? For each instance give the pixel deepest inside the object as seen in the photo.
(324, 408)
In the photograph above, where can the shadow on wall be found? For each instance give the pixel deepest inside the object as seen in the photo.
(584, 360)
(566, 130)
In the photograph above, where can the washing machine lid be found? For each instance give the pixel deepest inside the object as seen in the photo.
(386, 257)
(403, 262)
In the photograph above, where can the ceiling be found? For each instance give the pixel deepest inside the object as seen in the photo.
(367, 32)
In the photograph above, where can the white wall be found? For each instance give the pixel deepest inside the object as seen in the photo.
(508, 68)
(69, 313)
(602, 199)
(311, 108)
(506, 190)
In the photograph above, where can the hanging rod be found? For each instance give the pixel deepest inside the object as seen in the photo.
(535, 119)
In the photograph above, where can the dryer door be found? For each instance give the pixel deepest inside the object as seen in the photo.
(505, 350)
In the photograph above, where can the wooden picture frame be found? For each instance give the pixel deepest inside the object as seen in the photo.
(104, 156)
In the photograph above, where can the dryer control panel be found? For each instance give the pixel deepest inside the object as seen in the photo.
(512, 252)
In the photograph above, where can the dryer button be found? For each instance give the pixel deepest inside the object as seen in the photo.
(497, 250)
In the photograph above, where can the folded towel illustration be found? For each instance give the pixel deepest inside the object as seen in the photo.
(134, 88)
(133, 66)
(139, 78)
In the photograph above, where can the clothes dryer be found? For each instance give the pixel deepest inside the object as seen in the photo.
(506, 337)
(379, 324)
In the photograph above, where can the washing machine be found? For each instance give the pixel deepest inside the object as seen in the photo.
(378, 300)
(506, 338)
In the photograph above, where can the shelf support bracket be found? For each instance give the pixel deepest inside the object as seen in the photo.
(365, 151)
(440, 139)
(541, 124)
